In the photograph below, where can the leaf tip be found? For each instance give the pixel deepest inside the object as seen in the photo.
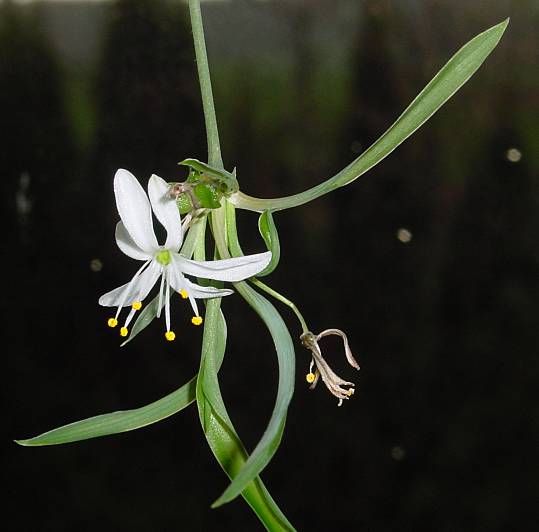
(504, 23)
(217, 503)
(227, 496)
(500, 27)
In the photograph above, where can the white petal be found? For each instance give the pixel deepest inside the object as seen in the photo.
(148, 280)
(166, 211)
(230, 270)
(136, 291)
(128, 245)
(175, 277)
(206, 292)
(135, 210)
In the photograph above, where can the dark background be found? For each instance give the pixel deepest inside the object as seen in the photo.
(443, 432)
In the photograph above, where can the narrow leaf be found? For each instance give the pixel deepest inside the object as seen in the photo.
(116, 422)
(457, 71)
(220, 433)
(268, 230)
(271, 438)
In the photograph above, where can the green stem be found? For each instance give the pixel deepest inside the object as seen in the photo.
(282, 299)
(212, 132)
(236, 251)
(194, 237)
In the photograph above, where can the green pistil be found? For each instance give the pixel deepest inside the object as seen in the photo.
(163, 257)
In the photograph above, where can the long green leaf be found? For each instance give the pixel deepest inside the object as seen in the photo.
(220, 433)
(224, 229)
(271, 438)
(116, 422)
(458, 70)
(268, 231)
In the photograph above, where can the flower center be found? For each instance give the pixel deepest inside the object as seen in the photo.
(163, 257)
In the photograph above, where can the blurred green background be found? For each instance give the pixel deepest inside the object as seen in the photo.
(429, 262)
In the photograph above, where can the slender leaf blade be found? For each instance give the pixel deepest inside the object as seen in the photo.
(220, 433)
(271, 438)
(268, 231)
(456, 72)
(120, 421)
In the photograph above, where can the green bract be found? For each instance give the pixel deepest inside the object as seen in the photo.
(208, 196)
(214, 193)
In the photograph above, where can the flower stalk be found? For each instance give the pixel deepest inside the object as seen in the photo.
(210, 118)
(284, 300)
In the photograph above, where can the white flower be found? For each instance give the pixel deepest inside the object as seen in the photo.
(136, 238)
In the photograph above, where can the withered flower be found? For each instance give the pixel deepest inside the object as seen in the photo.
(338, 387)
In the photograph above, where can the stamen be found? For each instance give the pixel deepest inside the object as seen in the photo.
(167, 300)
(112, 322)
(137, 305)
(169, 335)
(160, 304)
(194, 305)
(310, 377)
(129, 286)
(183, 293)
(316, 375)
(123, 331)
(196, 320)
(130, 317)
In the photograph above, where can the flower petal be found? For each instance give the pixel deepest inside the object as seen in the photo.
(231, 270)
(206, 292)
(137, 290)
(135, 210)
(175, 277)
(178, 283)
(349, 356)
(128, 245)
(166, 211)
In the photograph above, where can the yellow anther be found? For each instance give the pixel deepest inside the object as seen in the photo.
(137, 305)
(184, 293)
(169, 335)
(310, 378)
(124, 331)
(350, 392)
(112, 322)
(196, 320)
